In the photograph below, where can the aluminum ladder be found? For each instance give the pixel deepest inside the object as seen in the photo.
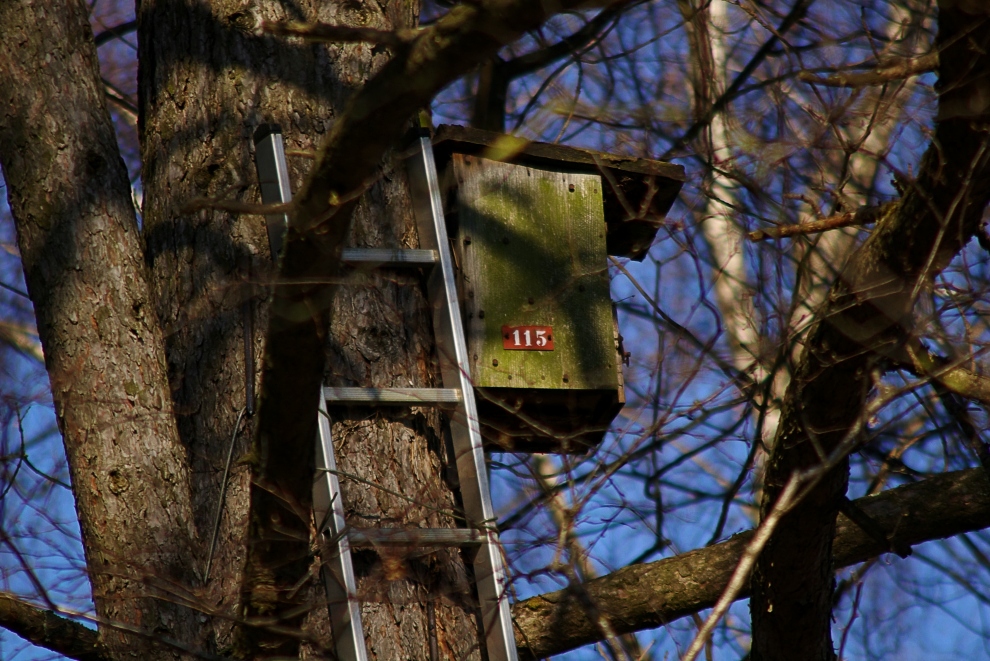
(457, 397)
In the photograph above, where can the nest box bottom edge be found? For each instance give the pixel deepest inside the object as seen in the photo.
(532, 420)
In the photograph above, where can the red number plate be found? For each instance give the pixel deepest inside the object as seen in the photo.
(527, 338)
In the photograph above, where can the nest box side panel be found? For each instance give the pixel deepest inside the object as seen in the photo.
(533, 254)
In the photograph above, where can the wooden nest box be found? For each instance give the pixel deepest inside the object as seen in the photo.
(532, 225)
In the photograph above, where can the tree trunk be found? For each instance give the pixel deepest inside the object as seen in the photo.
(381, 336)
(206, 83)
(81, 251)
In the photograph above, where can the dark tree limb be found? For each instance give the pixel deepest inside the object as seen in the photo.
(654, 594)
(496, 74)
(115, 32)
(324, 33)
(867, 316)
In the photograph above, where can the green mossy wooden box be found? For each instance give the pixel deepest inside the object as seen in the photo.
(531, 243)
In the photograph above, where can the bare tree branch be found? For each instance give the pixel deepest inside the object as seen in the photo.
(885, 72)
(951, 375)
(22, 337)
(798, 11)
(655, 594)
(740, 576)
(496, 74)
(116, 32)
(51, 631)
(864, 216)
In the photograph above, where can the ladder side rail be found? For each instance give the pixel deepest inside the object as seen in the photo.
(273, 176)
(338, 569)
(489, 568)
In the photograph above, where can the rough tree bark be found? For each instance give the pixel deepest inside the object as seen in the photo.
(206, 264)
(865, 320)
(79, 242)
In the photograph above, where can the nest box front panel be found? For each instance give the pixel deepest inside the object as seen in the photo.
(531, 247)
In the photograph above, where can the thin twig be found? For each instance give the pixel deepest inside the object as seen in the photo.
(116, 32)
(117, 97)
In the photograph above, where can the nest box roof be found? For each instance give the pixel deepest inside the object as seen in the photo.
(637, 192)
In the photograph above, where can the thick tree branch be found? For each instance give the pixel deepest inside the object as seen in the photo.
(373, 121)
(950, 375)
(651, 595)
(51, 631)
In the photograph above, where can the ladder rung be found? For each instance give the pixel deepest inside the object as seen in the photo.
(376, 537)
(394, 396)
(388, 257)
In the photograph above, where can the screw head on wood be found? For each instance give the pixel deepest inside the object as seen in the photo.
(494, 362)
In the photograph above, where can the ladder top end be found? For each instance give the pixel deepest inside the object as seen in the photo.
(265, 130)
